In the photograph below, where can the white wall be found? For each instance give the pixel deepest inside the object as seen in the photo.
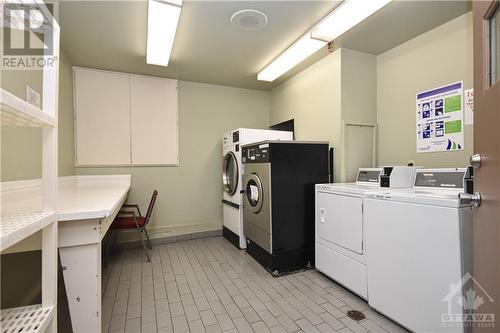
(438, 57)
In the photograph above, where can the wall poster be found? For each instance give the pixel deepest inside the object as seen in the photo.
(440, 119)
(469, 106)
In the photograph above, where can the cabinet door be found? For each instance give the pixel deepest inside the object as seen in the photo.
(102, 117)
(153, 121)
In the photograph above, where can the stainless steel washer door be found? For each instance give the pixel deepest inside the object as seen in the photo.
(254, 193)
(257, 204)
(230, 173)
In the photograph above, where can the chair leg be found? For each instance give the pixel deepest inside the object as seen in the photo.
(148, 240)
(108, 248)
(144, 245)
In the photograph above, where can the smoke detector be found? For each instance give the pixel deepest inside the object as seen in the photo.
(249, 20)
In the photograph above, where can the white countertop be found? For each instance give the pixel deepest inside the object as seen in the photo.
(79, 197)
(89, 201)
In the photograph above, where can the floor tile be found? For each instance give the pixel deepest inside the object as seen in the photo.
(260, 327)
(207, 285)
(196, 326)
(306, 326)
(208, 317)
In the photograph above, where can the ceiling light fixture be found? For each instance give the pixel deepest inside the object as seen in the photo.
(298, 51)
(346, 16)
(341, 19)
(163, 17)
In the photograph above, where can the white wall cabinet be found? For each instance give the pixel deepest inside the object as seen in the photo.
(124, 119)
(153, 103)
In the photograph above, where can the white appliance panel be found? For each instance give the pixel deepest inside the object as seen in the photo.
(413, 255)
(249, 135)
(231, 216)
(340, 220)
(345, 270)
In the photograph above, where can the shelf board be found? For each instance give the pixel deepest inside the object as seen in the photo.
(26, 319)
(18, 226)
(17, 112)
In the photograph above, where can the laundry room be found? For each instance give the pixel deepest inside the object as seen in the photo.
(250, 166)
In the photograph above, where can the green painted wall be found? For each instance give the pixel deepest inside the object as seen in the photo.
(190, 195)
(340, 87)
(313, 99)
(438, 57)
(21, 147)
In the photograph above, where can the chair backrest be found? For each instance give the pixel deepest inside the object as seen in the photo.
(151, 206)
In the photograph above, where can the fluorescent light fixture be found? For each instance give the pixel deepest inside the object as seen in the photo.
(346, 16)
(298, 51)
(163, 17)
(343, 18)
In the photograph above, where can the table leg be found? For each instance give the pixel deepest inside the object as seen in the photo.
(82, 278)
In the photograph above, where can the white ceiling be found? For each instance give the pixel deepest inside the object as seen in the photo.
(112, 35)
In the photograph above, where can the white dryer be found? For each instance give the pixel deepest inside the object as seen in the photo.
(339, 241)
(419, 251)
(340, 227)
(232, 171)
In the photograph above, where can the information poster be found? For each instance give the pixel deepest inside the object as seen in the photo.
(440, 119)
(469, 107)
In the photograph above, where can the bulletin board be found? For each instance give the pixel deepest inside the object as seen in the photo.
(440, 119)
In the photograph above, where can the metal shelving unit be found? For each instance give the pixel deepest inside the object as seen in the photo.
(15, 227)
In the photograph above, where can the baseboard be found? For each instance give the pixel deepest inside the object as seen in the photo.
(231, 237)
(168, 239)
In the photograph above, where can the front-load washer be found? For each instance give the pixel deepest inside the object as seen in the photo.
(278, 204)
(419, 253)
(232, 171)
(340, 227)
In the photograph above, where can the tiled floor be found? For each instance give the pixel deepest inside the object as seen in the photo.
(207, 285)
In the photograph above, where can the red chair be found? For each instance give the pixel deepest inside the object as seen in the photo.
(127, 219)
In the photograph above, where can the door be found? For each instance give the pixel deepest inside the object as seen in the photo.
(254, 193)
(102, 117)
(257, 204)
(153, 121)
(359, 149)
(340, 220)
(230, 173)
(486, 227)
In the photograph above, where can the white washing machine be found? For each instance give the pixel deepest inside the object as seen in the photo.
(340, 228)
(419, 247)
(232, 171)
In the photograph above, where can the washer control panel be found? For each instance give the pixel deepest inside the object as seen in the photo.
(258, 153)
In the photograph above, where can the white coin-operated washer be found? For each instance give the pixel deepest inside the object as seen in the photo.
(419, 250)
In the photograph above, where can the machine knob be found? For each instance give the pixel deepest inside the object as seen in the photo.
(466, 198)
